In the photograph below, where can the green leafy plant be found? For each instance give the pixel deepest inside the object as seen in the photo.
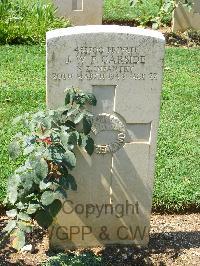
(26, 21)
(165, 8)
(36, 189)
(71, 259)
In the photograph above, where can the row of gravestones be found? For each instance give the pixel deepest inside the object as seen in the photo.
(89, 12)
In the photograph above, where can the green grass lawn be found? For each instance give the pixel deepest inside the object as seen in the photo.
(178, 158)
(177, 183)
(22, 89)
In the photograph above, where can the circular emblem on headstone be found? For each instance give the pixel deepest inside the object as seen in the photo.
(109, 122)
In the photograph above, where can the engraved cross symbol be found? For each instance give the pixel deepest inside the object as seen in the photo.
(109, 121)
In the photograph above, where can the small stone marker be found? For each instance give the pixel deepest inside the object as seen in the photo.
(184, 19)
(123, 67)
(81, 12)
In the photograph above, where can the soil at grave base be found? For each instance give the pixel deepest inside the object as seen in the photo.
(185, 39)
(174, 240)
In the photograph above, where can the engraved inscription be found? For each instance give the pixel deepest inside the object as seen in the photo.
(108, 63)
(105, 63)
(109, 122)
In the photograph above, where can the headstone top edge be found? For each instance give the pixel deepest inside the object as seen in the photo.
(104, 29)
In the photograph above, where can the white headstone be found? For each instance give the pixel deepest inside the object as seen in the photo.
(123, 67)
(183, 19)
(80, 12)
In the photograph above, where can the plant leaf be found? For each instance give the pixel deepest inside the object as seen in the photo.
(82, 140)
(67, 98)
(47, 122)
(72, 138)
(43, 185)
(70, 124)
(12, 193)
(20, 206)
(44, 218)
(71, 182)
(32, 208)
(69, 159)
(89, 146)
(10, 226)
(27, 181)
(28, 149)
(41, 169)
(78, 117)
(60, 193)
(67, 181)
(47, 198)
(55, 207)
(64, 136)
(18, 239)
(91, 99)
(24, 216)
(12, 213)
(87, 125)
(24, 226)
(72, 111)
(14, 149)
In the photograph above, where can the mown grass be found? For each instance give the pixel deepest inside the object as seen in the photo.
(177, 183)
(22, 89)
(178, 158)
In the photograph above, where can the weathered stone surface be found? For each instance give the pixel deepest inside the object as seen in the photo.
(123, 67)
(81, 12)
(184, 19)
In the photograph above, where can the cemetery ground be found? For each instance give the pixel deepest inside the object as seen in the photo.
(175, 226)
(174, 238)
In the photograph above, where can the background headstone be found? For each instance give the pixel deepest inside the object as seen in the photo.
(123, 67)
(184, 19)
(81, 12)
